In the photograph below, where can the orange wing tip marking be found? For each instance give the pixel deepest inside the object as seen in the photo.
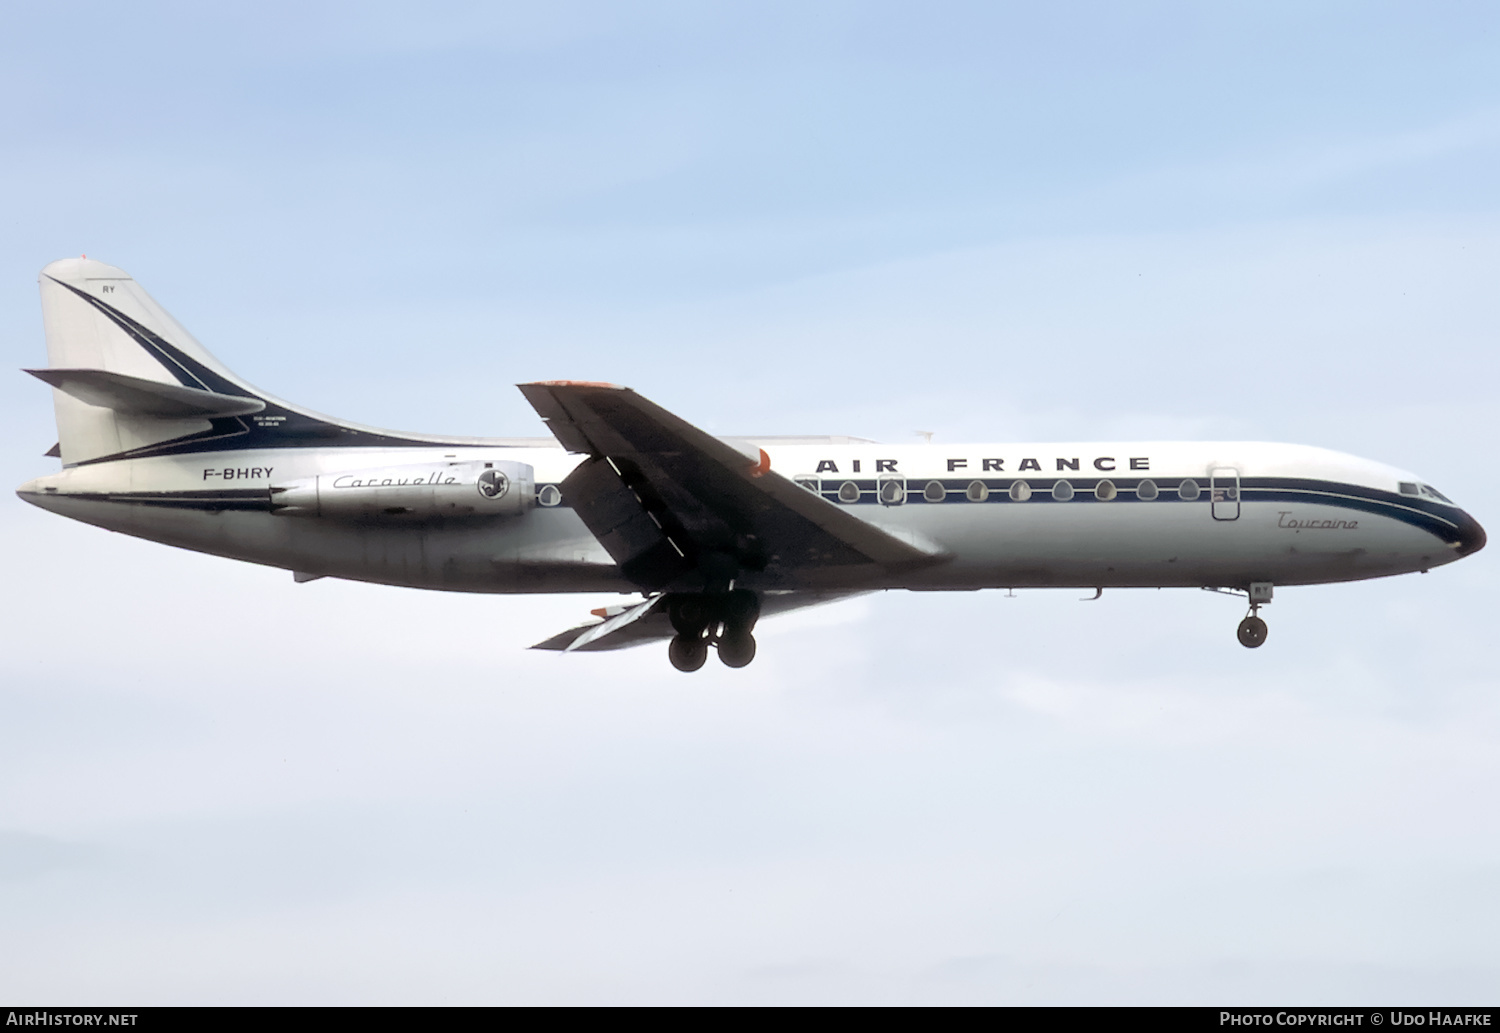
(574, 383)
(764, 466)
(602, 611)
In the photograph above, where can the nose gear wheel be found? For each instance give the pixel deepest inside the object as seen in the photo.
(1252, 632)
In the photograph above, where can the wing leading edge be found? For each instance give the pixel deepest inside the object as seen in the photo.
(680, 509)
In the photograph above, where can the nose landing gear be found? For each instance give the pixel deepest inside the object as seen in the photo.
(1252, 631)
(723, 621)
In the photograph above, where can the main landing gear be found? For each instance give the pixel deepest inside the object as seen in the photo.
(722, 621)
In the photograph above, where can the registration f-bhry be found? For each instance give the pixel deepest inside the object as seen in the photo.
(157, 439)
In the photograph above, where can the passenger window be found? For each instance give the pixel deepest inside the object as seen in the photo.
(848, 492)
(810, 483)
(934, 492)
(1062, 491)
(978, 491)
(1189, 490)
(1020, 491)
(1146, 491)
(892, 491)
(549, 496)
(1105, 491)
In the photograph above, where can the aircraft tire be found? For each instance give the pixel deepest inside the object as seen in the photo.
(687, 653)
(1252, 632)
(737, 650)
(690, 615)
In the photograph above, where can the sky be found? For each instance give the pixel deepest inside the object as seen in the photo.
(990, 221)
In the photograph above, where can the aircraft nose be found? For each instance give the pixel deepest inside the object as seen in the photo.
(1471, 536)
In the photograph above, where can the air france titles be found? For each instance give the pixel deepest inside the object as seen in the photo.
(1104, 464)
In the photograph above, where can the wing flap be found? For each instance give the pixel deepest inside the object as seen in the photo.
(630, 520)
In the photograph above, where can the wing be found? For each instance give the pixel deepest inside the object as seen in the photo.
(620, 627)
(677, 508)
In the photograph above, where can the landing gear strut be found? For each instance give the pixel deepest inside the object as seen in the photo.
(724, 621)
(1252, 631)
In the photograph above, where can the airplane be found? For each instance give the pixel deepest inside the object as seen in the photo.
(157, 439)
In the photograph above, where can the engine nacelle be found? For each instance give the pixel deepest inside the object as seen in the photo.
(421, 492)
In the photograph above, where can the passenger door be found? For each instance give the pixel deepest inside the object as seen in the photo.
(1224, 492)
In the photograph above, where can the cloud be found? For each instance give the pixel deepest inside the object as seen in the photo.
(24, 856)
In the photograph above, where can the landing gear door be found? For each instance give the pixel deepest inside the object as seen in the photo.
(1224, 492)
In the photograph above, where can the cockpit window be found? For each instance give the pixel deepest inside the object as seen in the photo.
(1424, 491)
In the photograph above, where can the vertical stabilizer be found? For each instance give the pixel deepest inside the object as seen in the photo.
(98, 318)
(129, 382)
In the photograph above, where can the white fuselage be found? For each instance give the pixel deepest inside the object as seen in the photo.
(1222, 514)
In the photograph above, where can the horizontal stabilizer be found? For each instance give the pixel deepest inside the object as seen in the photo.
(137, 396)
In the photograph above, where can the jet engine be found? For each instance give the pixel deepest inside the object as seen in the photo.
(420, 492)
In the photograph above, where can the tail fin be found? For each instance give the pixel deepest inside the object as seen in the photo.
(111, 349)
(131, 382)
